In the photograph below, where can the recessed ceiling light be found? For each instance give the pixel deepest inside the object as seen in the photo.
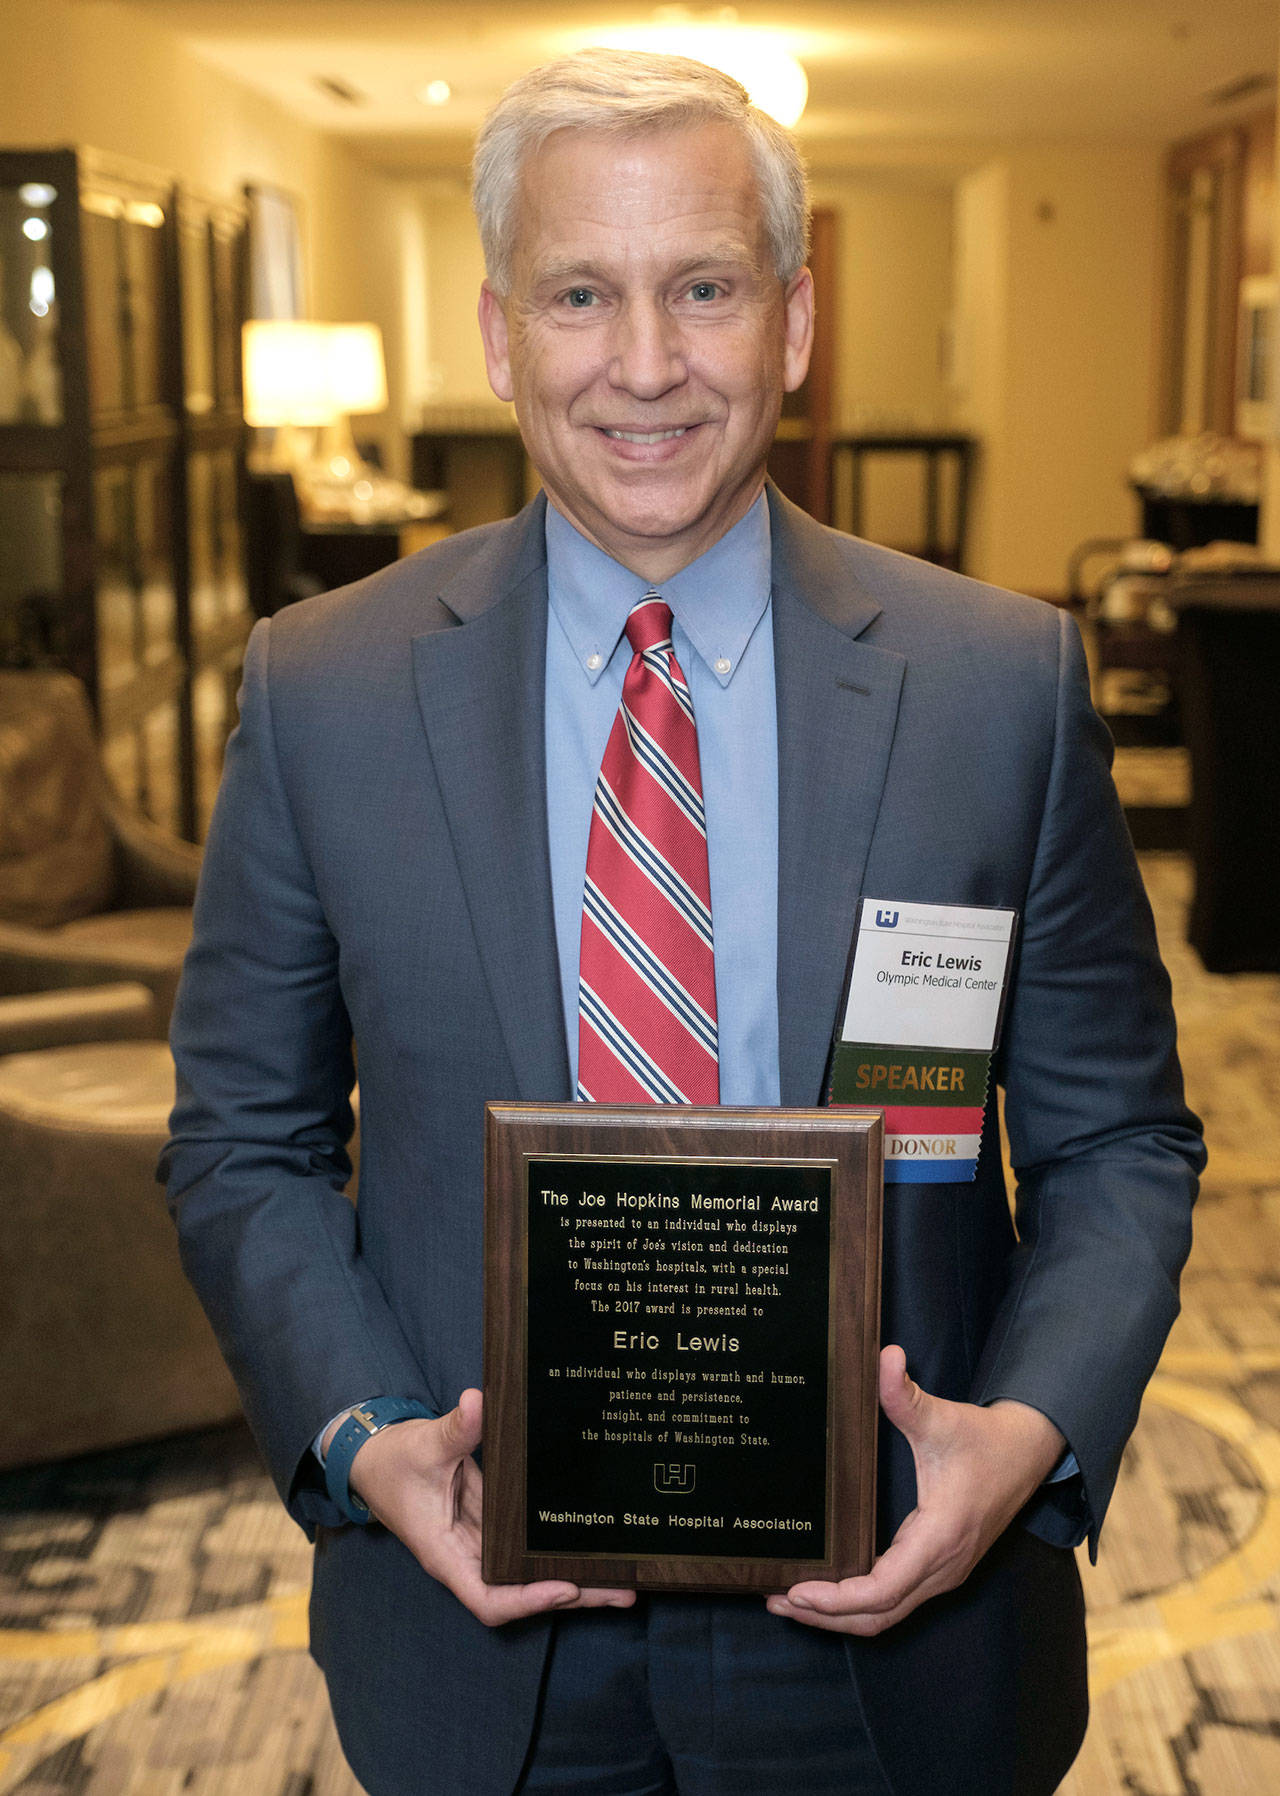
(435, 93)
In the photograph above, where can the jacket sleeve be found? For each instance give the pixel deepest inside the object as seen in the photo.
(257, 1163)
(1105, 1152)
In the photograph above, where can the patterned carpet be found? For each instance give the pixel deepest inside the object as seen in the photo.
(152, 1602)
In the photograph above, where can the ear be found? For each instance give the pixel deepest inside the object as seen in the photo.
(798, 329)
(497, 346)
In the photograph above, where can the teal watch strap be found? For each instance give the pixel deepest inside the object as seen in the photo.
(366, 1420)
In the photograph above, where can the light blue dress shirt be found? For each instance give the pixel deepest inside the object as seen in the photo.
(723, 638)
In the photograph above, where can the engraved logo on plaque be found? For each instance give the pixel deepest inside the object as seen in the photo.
(674, 1480)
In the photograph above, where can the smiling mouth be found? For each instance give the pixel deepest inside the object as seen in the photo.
(646, 436)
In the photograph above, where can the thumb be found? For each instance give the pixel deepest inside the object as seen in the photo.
(901, 1398)
(461, 1429)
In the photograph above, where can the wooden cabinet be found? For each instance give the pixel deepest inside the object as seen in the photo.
(121, 457)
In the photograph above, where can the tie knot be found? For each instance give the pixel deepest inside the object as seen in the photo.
(649, 624)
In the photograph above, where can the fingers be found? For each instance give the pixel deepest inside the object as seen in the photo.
(901, 1398)
(923, 1560)
(433, 1502)
(912, 1570)
(455, 1562)
(497, 1604)
(975, 1468)
(461, 1429)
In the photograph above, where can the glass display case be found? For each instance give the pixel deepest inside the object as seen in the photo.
(121, 449)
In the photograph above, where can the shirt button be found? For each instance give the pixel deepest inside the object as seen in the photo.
(723, 664)
(593, 661)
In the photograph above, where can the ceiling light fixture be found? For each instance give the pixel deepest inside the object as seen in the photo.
(761, 60)
(435, 93)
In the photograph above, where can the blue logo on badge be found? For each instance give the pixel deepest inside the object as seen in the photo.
(886, 919)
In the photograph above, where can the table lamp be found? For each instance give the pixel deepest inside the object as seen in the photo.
(286, 386)
(356, 378)
(303, 381)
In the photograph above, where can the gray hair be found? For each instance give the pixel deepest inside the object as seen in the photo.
(627, 92)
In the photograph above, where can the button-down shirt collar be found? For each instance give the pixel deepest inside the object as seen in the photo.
(716, 601)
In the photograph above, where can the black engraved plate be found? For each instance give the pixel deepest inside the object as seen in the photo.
(681, 1321)
(678, 1334)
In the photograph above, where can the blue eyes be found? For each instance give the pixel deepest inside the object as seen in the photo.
(581, 299)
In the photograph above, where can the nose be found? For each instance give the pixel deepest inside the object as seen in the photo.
(648, 358)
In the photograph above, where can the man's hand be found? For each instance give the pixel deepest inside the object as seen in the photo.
(975, 1468)
(420, 1480)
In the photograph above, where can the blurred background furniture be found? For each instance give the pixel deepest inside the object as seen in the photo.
(1228, 678)
(101, 1338)
(335, 553)
(89, 892)
(1119, 586)
(1187, 522)
(946, 518)
(475, 454)
(274, 544)
(1198, 488)
(119, 473)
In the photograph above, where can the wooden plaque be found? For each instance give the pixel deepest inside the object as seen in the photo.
(682, 1317)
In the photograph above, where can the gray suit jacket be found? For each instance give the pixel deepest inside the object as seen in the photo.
(378, 867)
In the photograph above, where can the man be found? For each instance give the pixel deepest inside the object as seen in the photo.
(399, 854)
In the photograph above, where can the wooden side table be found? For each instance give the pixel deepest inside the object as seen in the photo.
(943, 545)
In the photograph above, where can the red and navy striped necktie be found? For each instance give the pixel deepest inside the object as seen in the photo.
(647, 984)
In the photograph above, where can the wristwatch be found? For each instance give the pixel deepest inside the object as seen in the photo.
(366, 1420)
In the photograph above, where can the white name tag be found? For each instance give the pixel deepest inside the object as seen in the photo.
(928, 975)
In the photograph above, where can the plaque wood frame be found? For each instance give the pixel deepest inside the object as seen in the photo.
(847, 1142)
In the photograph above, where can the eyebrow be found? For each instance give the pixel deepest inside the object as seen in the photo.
(729, 251)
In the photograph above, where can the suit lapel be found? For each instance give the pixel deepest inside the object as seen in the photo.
(481, 691)
(837, 710)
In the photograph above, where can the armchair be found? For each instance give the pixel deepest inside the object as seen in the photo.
(102, 1340)
(89, 893)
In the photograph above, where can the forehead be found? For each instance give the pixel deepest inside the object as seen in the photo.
(640, 195)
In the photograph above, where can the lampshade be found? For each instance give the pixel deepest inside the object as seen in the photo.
(309, 374)
(357, 374)
(286, 374)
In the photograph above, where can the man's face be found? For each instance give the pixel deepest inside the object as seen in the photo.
(646, 339)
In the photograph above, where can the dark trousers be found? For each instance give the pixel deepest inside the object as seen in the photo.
(700, 1696)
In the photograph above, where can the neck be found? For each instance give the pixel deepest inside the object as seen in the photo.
(661, 559)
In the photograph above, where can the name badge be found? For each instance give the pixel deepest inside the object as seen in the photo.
(922, 1020)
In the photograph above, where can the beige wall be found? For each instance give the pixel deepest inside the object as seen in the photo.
(98, 73)
(455, 269)
(1056, 360)
(893, 297)
(979, 346)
